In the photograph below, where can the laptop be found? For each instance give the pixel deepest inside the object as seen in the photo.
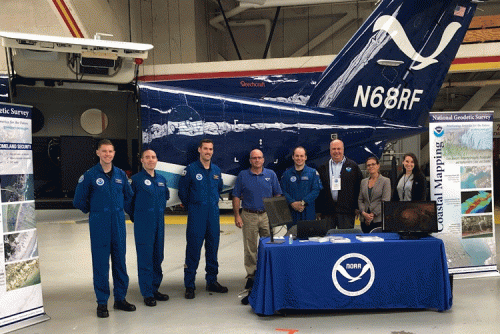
(312, 228)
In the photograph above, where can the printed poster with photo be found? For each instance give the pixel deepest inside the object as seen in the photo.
(20, 283)
(461, 182)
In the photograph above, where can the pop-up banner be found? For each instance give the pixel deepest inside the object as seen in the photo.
(20, 285)
(461, 181)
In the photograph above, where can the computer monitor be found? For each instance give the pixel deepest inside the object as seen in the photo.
(410, 219)
(278, 214)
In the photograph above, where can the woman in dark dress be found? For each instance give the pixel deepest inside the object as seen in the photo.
(411, 183)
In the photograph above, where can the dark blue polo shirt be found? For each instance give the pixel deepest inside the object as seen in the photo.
(252, 188)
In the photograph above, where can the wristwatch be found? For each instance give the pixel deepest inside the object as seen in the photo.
(303, 203)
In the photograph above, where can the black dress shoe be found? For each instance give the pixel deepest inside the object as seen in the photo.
(245, 301)
(216, 287)
(150, 301)
(160, 296)
(102, 311)
(124, 306)
(189, 293)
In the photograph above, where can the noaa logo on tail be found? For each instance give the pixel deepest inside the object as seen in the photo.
(353, 274)
(392, 26)
(438, 131)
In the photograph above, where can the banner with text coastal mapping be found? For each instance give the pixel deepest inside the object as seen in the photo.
(461, 164)
(20, 287)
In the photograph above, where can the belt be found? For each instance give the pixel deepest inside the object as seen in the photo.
(254, 211)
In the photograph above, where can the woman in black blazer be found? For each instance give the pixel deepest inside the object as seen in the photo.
(411, 183)
(374, 189)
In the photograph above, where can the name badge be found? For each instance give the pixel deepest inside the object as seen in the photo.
(305, 178)
(118, 181)
(336, 183)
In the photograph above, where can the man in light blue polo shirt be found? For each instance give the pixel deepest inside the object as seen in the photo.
(252, 185)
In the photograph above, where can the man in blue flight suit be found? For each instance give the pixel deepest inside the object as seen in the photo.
(199, 190)
(301, 186)
(147, 212)
(104, 191)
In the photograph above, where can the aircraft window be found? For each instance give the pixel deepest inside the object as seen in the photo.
(94, 121)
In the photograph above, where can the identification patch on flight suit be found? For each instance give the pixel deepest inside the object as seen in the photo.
(161, 184)
(305, 178)
(80, 180)
(293, 179)
(99, 181)
(199, 177)
(147, 182)
(216, 177)
(118, 181)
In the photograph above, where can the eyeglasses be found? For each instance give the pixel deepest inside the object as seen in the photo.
(371, 165)
(256, 158)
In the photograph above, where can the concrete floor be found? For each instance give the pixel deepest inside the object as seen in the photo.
(69, 299)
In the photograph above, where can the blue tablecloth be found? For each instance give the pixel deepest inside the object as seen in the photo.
(358, 275)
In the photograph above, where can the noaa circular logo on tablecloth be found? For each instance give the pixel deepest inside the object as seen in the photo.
(147, 182)
(99, 181)
(293, 179)
(199, 177)
(353, 274)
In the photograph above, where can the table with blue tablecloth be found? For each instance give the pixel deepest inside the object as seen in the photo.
(393, 273)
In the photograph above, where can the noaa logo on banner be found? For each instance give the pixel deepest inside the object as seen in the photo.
(353, 274)
(438, 131)
(147, 182)
(293, 179)
(199, 177)
(99, 181)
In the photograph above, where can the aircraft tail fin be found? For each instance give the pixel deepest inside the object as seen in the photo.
(395, 64)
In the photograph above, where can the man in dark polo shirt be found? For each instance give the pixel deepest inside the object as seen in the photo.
(252, 185)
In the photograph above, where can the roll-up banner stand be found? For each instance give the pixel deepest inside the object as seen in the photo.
(461, 182)
(21, 301)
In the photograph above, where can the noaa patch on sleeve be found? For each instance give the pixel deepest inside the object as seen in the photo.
(184, 172)
(80, 180)
(129, 181)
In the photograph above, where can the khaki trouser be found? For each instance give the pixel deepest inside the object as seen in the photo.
(254, 224)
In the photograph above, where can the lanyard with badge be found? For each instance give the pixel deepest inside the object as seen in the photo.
(335, 181)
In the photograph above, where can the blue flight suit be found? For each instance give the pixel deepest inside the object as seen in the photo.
(106, 198)
(147, 213)
(301, 187)
(199, 191)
